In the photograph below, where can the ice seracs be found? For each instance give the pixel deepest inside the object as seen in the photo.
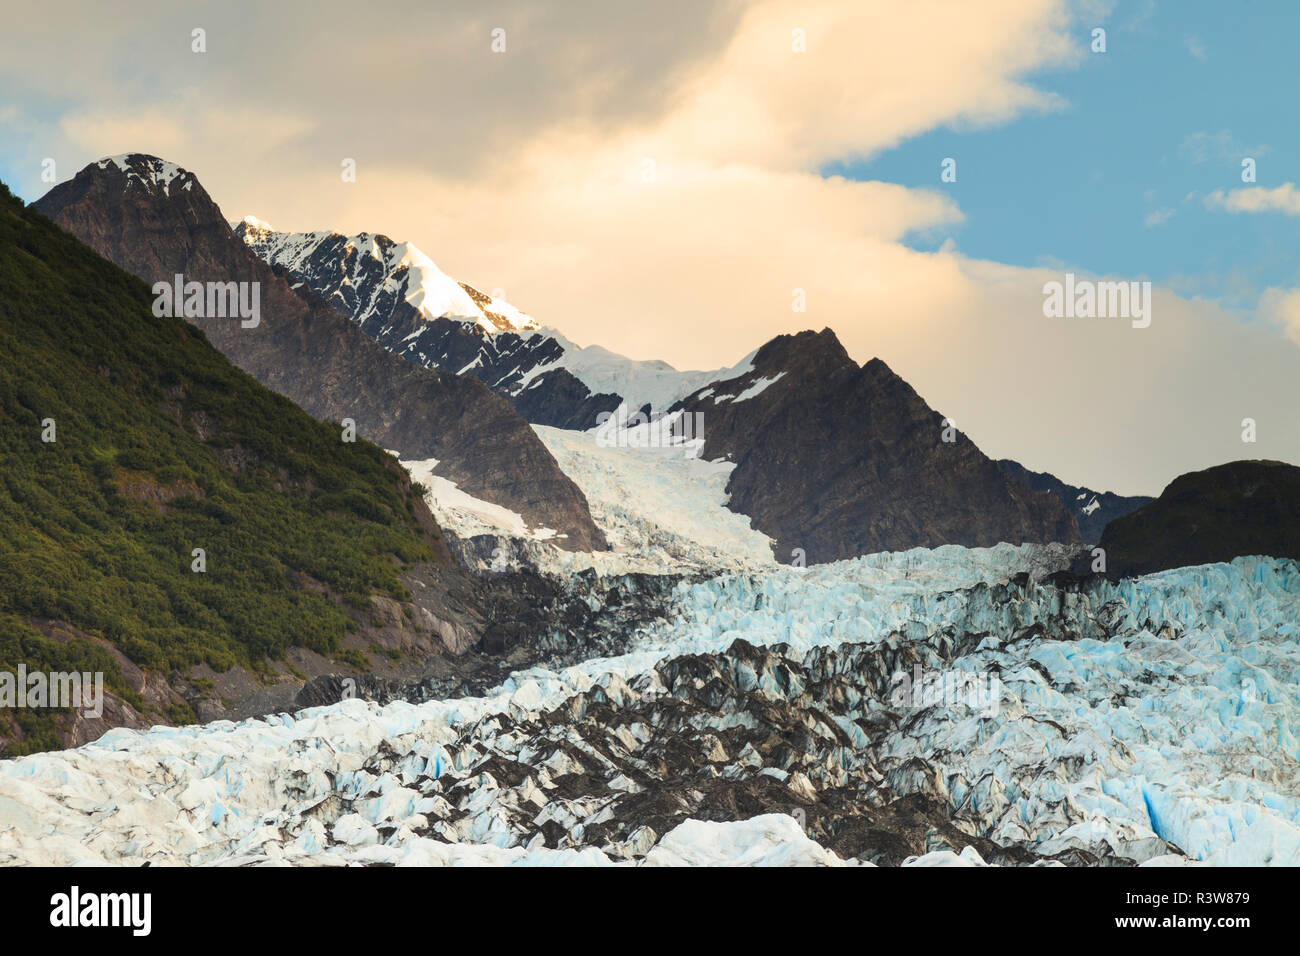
(1146, 721)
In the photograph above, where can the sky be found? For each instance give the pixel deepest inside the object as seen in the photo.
(1120, 180)
(684, 180)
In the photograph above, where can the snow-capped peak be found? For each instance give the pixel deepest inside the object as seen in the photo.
(428, 288)
(148, 170)
(254, 226)
(376, 271)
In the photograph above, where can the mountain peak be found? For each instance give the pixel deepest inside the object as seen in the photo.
(252, 226)
(835, 460)
(148, 171)
(823, 349)
(379, 274)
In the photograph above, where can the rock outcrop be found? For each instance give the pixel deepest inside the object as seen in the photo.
(835, 460)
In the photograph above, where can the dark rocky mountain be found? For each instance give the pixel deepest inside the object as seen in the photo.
(403, 301)
(1241, 508)
(840, 460)
(1093, 510)
(501, 360)
(155, 220)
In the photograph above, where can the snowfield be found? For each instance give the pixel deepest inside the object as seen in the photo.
(149, 172)
(1149, 721)
(662, 508)
(638, 382)
(465, 514)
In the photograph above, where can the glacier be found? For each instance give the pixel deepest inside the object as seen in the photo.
(662, 509)
(1146, 721)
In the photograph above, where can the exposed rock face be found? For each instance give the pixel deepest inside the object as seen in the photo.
(525, 620)
(840, 460)
(1093, 510)
(501, 360)
(395, 293)
(1241, 508)
(398, 298)
(155, 220)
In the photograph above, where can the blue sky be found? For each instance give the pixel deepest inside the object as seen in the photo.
(1148, 128)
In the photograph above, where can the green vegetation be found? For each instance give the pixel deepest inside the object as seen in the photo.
(162, 446)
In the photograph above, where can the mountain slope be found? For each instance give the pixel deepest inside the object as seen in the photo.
(159, 446)
(377, 281)
(398, 297)
(155, 220)
(1093, 510)
(838, 460)
(1240, 508)
(812, 495)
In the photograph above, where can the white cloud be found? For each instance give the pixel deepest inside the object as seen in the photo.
(1282, 307)
(1283, 199)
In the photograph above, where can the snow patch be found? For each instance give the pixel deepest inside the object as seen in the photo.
(463, 513)
(757, 388)
(639, 383)
(148, 170)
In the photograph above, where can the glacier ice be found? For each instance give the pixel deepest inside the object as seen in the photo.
(1149, 719)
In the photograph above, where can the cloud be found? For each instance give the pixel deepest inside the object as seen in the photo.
(164, 133)
(760, 102)
(419, 89)
(1282, 307)
(1196, 47)
(1284, 199)
(1202, 147)
(416, 84)
(527, 171)
(1157, 217)
(1140, 17)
